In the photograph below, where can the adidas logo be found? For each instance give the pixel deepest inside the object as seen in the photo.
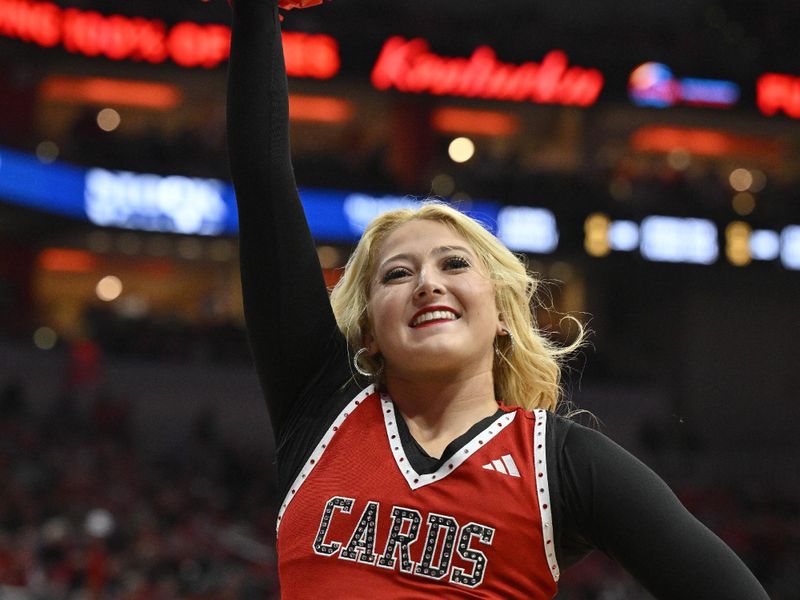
(505, 464)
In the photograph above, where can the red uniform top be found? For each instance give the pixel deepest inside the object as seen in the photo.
(359, 522)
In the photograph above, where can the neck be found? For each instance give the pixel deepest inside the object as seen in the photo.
(438, 411)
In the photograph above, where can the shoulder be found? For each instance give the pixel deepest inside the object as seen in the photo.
(569, 436)
(582, 458)
(563, 433)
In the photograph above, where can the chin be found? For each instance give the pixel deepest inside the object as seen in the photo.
(444, 359)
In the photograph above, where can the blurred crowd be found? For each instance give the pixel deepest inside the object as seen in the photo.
(167, 337)
(87, 513)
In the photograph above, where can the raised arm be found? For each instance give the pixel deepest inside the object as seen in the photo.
(621, 507)
(290, 323)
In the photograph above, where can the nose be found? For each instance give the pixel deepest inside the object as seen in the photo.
(428, 284)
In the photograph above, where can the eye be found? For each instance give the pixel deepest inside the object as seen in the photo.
(395, 273)
(456, 262)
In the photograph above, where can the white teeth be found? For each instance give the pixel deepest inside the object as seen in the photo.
(436, 315)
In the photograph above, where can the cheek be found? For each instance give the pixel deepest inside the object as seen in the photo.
(488, 309)
(482, 296)
(383, 310)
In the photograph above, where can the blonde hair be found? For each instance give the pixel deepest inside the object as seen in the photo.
(527, 372)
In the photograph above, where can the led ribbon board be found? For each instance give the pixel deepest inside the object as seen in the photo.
(119, 37)
(197, 206)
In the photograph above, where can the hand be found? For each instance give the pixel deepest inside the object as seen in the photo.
(290, 4)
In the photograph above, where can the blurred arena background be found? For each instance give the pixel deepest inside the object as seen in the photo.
(644, 156)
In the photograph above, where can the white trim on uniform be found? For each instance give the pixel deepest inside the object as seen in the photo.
(543, 490)
(313, 460)
(416, 480)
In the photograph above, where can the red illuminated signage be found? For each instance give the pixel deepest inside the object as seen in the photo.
(102, 90)
(319, 109)
(704, 142)
(118, 37)
(310, 55)
(67, 260)
(779, 93)
(410, 66)
(478, 122)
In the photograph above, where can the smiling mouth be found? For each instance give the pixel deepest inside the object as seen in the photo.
(433, 317)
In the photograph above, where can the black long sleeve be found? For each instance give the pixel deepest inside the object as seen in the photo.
(609, 500)
(290, 322)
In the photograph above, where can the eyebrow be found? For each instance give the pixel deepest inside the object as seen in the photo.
(435, 252)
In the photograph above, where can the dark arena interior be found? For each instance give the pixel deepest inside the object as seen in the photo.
(644, 158)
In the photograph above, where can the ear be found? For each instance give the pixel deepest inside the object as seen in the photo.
(500, 328)
(370, 344)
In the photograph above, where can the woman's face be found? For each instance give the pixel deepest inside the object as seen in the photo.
(432, 306)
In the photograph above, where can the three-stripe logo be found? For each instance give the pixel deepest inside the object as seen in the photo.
(505, 464)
